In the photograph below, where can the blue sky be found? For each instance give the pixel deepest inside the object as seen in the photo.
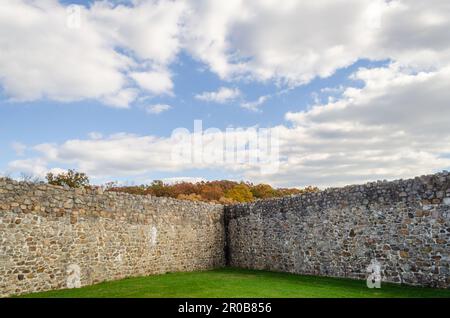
(343, 82)
(40, 121)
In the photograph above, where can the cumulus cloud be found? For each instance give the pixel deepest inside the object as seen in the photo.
(51, 60)
(94, 59)
(149, 28)
(222, 95)
(124, 155)
(121, 99)
(287, 42)
(116, 155)
(395, 126)
(33, 166)
(254, 105)
(157, 108)
(158, 82)
(95, 135)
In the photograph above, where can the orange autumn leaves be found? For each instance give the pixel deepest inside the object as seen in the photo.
(224, 191)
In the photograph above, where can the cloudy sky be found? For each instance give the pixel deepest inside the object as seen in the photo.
(357, 90)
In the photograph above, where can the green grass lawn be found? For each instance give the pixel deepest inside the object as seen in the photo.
(229, 282)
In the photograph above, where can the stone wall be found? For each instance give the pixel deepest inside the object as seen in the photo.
(404, 225)
(52, 238)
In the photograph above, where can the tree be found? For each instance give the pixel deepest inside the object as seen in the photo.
(71, 178)
(183, 188)
(159, 189)
(211, 192)
(263, 191)
(223, 191)
(240, 193)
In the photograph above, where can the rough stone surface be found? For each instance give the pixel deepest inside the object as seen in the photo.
(404, 225)
(52, 238)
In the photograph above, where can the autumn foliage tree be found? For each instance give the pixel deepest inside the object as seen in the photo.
(240, 193)
(263, 191)
(221, 191)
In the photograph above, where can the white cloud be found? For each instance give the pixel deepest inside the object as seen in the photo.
(265, 40)
(333, 90)
(149, 28)
(396, 126)
(121, 99)
(125, 155)
(33, 166)
(254, 105)
(273, 40)
(158, 82)
(51, 60)
(221, 96)
(289, 42)
(95, 135)
(113, 44)
(157, 108)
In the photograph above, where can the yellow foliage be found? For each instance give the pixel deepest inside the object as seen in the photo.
(240, 193)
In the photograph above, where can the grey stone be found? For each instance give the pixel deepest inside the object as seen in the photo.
(340, 231)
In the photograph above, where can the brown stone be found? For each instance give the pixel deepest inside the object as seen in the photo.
(73, 219)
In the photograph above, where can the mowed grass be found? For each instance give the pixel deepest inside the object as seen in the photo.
(230, 282)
